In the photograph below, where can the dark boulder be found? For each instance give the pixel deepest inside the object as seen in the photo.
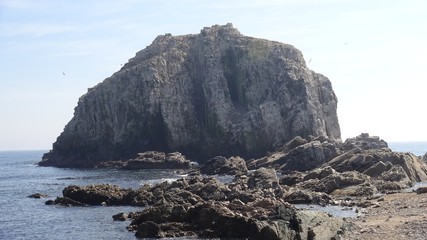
(224, 166)
(97, 194)
(208, 188)
(421, 190)
(364, 142)
(298, 196)
(66, 202)
(304, 156)
(120, 217)
(37, 195)
(308, 156)
(263, 178)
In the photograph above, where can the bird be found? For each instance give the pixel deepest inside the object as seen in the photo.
(63, 73)
(309, 61)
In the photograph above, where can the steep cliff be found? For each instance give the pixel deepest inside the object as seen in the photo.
(207, 94)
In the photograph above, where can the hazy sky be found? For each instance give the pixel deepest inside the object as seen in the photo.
(374, 53)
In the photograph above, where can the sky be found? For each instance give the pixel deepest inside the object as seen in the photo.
(52, 51)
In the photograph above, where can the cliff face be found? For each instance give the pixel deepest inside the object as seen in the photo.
(213, 93)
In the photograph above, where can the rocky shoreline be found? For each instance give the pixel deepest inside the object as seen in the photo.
(360, 173)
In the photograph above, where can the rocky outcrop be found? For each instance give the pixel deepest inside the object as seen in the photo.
(158, 160)
(382, 163)
(365, 142)
(216, 220)
(224, 166)
(103, 194)
(208, 94)
(250, 207)
(151, 160)
(300, 155)
(361, 173)
(363, 165)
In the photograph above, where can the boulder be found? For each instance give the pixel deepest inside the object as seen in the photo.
(364, 142)
(103, 194)
(208, 188)
(263, 178)
(308, 156)
(37, 195)
(303, 157)
(421, 190)
(224, 166)
(298, 196)
(120, 217)
(292, 178)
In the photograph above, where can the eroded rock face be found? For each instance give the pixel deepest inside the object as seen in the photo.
(214, 93)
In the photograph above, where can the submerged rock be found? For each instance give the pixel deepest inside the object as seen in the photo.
(209, 94)
(120, 217)
(38, 195)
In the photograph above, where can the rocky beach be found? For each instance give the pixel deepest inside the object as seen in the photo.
(261, 202)
(219, 103)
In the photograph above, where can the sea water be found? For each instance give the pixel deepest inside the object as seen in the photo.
(417, 148)
(27, 218)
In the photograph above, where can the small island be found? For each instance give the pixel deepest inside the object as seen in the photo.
(221, 103)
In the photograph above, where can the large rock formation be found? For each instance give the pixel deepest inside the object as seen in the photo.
(207, 94)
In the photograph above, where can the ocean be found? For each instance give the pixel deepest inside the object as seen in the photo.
(28, 218)
(417, 148)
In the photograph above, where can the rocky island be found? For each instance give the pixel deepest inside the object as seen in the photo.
(213, 93)
(239, 106)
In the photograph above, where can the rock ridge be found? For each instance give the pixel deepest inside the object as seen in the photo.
(208, 94)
